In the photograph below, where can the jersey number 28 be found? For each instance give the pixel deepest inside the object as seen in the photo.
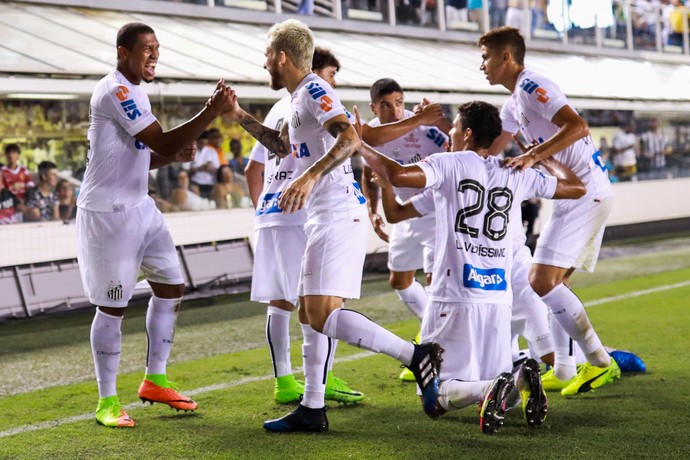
(499, 201)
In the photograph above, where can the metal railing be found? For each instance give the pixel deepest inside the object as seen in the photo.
(624, 24)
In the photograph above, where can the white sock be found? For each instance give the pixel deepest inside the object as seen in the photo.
(315, 352)
(564, 359)
(359, 331)
(570, 313)
(106, 344)
(415, 297)
(160, 330)
(456, 394)
(331, 356)
(278, 338)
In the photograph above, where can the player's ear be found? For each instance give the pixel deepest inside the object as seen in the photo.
(121, 53)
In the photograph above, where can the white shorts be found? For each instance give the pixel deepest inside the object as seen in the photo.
(476, 339)
(572, 238)
(412, 245)
(277, 261)
(530, 314)
(112, 247)
(334, 257)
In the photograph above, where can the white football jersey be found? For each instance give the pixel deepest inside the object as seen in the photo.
(531, 108)
(278, 174)
(117, 164)
(411, 148)
(473, 198)
(314, 103)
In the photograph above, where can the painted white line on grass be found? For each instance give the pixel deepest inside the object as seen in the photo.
(223, 386)
(630, 295)
(197, 391)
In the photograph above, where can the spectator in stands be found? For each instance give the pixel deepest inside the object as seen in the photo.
(67, 201)
(161, 204)
(625, 151)
(186, 196)
(42, 202)
(202, 170)
(475, 13)
(497, 12)
(675, 21)
(238, 162)
(227, 193)
(305, 7)
(11, 208)
(538, 12)
(456, 11)
(16, 178)
(215, 142)
(654, 147)
(515, 15)
(407, 11)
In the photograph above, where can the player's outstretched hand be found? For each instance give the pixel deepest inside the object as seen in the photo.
(431, 114)
(295, 196)
(358, 121)
(223, 99)
(418, 108)
(187, 154)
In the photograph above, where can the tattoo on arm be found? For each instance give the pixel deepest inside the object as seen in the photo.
(340, 151)
(270, 138)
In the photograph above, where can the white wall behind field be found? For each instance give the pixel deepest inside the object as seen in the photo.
(635, 202)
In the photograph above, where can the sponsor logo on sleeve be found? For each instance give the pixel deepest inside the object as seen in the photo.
(128, 105)
(530, 87)
(319, 94)
(436, 137)
(487, 279)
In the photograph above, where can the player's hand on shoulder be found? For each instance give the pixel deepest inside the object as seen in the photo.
(187, 154)
(521, 162)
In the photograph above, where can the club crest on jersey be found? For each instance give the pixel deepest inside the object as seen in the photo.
(300, 150)
(487, 279)
(319, 94)
(530, 87)
(129, 106)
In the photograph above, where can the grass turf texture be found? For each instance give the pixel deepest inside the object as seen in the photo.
(638, 416)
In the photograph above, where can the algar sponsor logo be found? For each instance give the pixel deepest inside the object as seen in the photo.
(487, 279)
(480, 250)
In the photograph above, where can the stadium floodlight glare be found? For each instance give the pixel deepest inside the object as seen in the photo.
(53, 96)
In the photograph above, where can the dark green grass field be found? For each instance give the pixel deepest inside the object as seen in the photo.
(48, 394)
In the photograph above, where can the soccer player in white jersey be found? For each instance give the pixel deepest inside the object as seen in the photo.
(119, 229)
(411, 242)
(539, 112)
(279, 248)
(321, 140)
(469, 311)
(529, 317)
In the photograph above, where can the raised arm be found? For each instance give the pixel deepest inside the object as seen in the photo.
(571, 128)
(167, 144)
(394, 211)
(429, 115)
(346, 143)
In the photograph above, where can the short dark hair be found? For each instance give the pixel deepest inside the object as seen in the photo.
(505, 37)
(128, 34)
(483, 119)
(213, 132)
(12, 148)
(323, 57)
(44, 167)
(383, 87)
